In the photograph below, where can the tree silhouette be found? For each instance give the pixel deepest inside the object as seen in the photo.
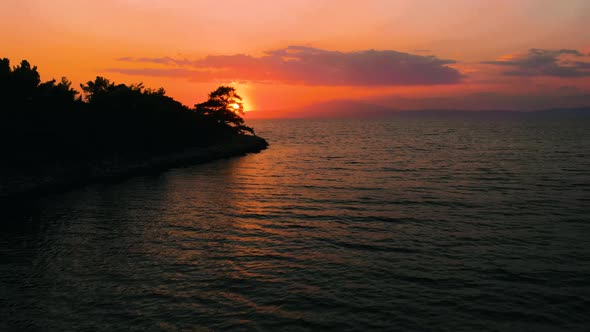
(5, 73)
(100, 87)
(59, 97)
(225, 107)
(49, 123)
(19, 84)
(5, 86)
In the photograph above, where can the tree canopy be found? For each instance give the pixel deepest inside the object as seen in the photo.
(51, 120)
(226, 107)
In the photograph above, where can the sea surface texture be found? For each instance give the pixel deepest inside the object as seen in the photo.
(459, 224)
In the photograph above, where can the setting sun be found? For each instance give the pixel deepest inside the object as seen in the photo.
(235, 106)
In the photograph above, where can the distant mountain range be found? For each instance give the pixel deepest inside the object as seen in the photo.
(360, 109)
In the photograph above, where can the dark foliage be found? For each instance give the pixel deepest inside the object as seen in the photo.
(49, 122)
(225, 107)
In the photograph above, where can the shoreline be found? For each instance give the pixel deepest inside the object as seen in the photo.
(68, 176)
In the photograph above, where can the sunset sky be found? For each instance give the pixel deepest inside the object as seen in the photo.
(283, 55)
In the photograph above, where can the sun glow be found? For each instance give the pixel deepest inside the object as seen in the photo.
(235, 107)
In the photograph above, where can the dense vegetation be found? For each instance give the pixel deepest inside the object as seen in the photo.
(48, 122)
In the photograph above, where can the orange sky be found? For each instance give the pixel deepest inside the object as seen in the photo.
(287, 54)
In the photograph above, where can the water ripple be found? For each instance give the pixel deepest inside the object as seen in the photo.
(373, 225)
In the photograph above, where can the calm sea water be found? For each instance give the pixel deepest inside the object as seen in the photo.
(402, 224)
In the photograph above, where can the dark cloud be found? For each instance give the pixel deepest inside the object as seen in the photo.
(538, 62)
(310, 66)
(582, 65)
(568, 89)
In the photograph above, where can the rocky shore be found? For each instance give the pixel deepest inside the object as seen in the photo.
(67, 175)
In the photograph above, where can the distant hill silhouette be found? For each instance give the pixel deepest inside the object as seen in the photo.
(329, 109)
(364, 109)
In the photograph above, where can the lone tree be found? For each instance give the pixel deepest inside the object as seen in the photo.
(225, 106)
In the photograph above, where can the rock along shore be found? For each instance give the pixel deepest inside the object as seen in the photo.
(65, 176)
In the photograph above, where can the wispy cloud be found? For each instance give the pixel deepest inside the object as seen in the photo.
(309, 66)
(161, 60)
(539, 62)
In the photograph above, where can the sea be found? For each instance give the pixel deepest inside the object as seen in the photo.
(430, 223)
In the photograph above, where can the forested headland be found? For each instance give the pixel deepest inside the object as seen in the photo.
(49, 128)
